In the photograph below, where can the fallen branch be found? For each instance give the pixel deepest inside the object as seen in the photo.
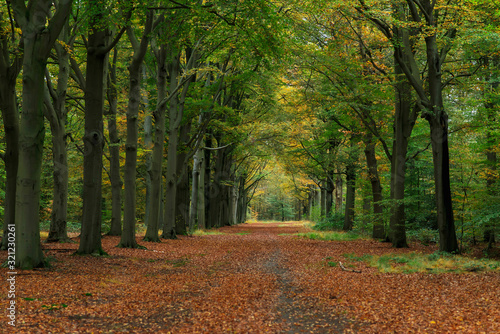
(345, 269)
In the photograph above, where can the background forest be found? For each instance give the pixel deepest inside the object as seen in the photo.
(379, 116)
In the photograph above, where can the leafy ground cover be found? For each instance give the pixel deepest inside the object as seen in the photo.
(253, 278)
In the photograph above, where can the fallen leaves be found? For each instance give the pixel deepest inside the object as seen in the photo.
(252, 278)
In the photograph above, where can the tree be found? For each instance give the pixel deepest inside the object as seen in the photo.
(424, 15)
(38, 38)
(10, 66)
(98, 47)
(135, 74)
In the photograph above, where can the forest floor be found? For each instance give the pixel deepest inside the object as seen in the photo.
(252, 278)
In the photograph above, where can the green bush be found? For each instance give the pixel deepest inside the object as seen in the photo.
(425, 235)
(332, 222)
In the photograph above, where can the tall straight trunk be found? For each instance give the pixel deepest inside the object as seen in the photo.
(350, 197)
(114, 152)
(242, 200)
(226, 190)
(173, 140)
(371, 162)
(157, 160)
(339, 189)
(201, 217)
(9, 71)
(492, 177)
(135, 74)
(208, 182)
(38, 40)
(330, 187)
(57, 230)
(182, 193)
(97, 50)
(148, 143)
(176, 112)
(404, 120)
(438, 121)
(90, 241)
(57, 116)
(215, 193)
(195, 176)
(323, 199)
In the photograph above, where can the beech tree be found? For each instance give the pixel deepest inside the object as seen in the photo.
(38, 37)
(10, 66)
(98, 47)
(135, 74)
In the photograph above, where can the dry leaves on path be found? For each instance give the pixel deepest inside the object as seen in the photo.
(252, 278)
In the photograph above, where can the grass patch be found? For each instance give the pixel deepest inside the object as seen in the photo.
(354, 257)
(435, 263)
(178, 262)
(331, 236)
(206, 232)
(243, 233)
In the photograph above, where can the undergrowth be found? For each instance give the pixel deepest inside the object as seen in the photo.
(331, 236)
(206, 232)
(431, 263)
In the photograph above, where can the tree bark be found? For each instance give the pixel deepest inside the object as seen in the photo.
(157, 161)
(90, 240)
(182, 193)
(438, 121)
(491, 155)
(371, 162)
(114, 153)
(339, 188)
(38, 40)
(9, 70)
(350, 197)
(176, 112)
(57, 116)
(135, 73)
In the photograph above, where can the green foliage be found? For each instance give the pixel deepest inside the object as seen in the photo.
(333, 222)
(206, 232)
(315, 214)
(425, 236)
(331, 236)
(357, 258)
(431, 263)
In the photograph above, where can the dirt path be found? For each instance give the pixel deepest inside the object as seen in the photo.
(252, 278)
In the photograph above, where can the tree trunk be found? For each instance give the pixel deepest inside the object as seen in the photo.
(148, 143)
(135, 73)
(330, 187)
(323, 199)
(173, 138)
(438, 121)
(207, 195)
(90, 240)
(197, 161)
(38, 40)
(371, 162)
(339, 189)
(201, 217)
(57, 116)
(182, 193)
(156, 167)
(405, 117)
(491, 142)
(114, 153)
(10, 117)
(350, 197)
(57, 231)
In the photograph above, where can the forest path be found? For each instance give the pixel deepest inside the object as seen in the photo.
(251, 278)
